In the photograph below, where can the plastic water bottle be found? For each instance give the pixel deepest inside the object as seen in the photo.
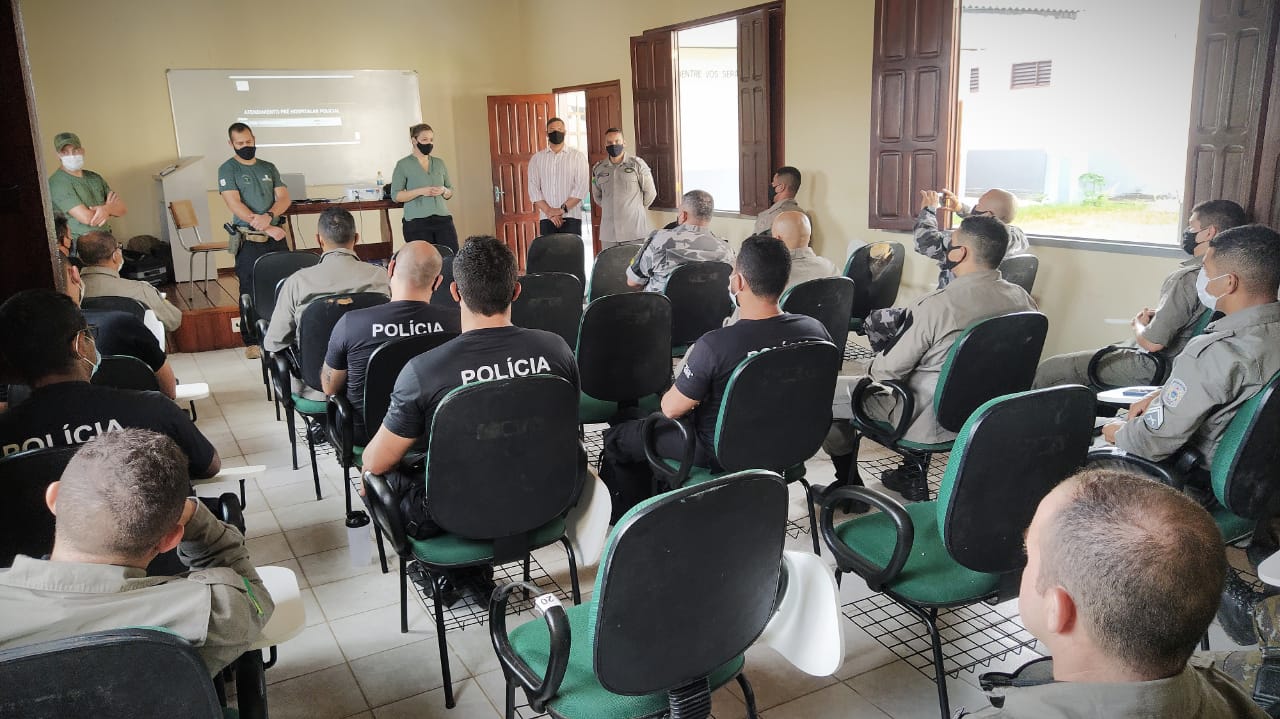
(380, 182)
(359, 543)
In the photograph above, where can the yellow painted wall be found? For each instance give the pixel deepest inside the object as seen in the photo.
(117, 100)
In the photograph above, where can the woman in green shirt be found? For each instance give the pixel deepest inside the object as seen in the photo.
(421, 182)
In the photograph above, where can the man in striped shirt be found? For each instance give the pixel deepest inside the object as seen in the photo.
(558, 181)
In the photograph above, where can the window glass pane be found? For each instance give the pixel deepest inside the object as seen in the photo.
(1090, 132)
(708, 72)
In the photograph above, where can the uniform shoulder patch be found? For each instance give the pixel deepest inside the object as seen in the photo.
(1173, 393)
(1154, 416)
(222, 182)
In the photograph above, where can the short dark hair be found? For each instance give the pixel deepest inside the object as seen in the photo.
(554, 119)
(1222, 214)
(485, 271)
(418, 129)
(37, 327)
(238, 127)
(698, 203)
(1252, 253)
(612, 130)
(988, 239)
(96, 247)
(789, 175)
(1143, 563)
(765, 263)
(122, 492)
(61, 228)
(337, 226)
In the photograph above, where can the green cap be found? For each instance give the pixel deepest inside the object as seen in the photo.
(62, 139)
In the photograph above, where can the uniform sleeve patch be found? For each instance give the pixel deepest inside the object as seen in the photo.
(1173, 393)
(1154, 416)
(223, 183)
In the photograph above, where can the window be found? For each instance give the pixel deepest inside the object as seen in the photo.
(973, 79)
(1028, 74)
(708, 100)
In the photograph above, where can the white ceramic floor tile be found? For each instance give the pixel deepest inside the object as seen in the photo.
(378, 630)
(312, 650)
(269, 549)
(359, 594)
(317, 538)
(402, 672)
(471, 704)
(834, 702)
(327, 694)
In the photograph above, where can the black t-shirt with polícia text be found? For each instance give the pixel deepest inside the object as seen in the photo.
(475, 356)
(711, 361)
(120, 333)
(357, 334)
(71, 413)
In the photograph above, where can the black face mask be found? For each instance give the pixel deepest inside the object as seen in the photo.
(555, 137)
(425, 148)
(773, 193)
(949, 264)
(1189, 242)
(613, 150)
(247, 152)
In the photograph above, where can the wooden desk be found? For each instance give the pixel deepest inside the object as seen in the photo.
(365, 249)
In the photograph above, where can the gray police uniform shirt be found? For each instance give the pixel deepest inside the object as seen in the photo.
(1215, 374)
(1179, 309)
(764, 220)
(220, 607)
(665, 250)
(338, 272)
(107, 282)
(937, 319)
(623, 191)
(933, 243)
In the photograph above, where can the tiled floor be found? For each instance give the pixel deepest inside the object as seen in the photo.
(352, 660)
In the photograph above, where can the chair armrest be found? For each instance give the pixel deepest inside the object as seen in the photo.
(846, 559)
(261, 326)
(1157, 376)
(539, 690)
(248, 318)
(384, 506)
(1170, 471)
(867, 425)
(341, 423)
(280, 379)
(229, 510)
(661, 472)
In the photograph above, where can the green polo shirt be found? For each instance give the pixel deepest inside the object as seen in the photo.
(257, 184)
(409, 175)
(67, 191)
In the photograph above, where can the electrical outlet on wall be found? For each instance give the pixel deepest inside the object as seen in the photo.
(235, 324)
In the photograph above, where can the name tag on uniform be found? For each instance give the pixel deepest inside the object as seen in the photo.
(629, 169)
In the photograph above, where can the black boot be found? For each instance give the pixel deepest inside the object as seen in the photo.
(908, 479)
(846, 476)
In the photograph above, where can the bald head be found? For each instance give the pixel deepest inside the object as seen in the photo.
(1000, 203)
(793, 228)
(414, 270)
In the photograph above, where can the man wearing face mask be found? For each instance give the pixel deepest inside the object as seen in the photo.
(782, 193)
(1162, 331)
(690, 241)
(1221, 369)
(558, 181)
(82, 195)
(51, 348)
(103, 257)
(622, 187)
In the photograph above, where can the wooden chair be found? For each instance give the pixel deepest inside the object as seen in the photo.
(184, 218)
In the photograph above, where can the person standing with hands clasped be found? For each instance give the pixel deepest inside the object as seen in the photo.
(257, 197)
(558, 181)
(622, 186)
(421, 182)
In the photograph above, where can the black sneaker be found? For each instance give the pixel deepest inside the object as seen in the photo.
(908, 481)
(447, 588)
(317, 432)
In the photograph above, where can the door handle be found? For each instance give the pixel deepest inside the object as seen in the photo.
(498, 193)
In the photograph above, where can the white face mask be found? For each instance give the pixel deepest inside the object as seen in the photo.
(1202, 289)
(73, 162)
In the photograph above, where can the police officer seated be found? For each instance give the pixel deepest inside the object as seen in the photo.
(916, 354)
(123, 500)
(1122, 580)
(51, 348)
(414, 274)
(103, 257)
(758, 280)
(690, 241)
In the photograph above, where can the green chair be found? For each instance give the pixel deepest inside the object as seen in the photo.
(624, 354)
(687, 583)
(966, 547)
(503, 469)
(990, 358)
(774, 415)
(828, 300)
(876, 271)
(699, 294)
(609, 271)
(304, 360)
(1159, 362)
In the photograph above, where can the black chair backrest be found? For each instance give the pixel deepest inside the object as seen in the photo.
(1021, 270)
(1015, 450)
(876, 271)
(561, 252)
(502, 459)
(609, 273)
(624, 346)
(384, 367)
(1244, 464)
(699, 294)
(26, 524)
(116, 674)
(689, 581)
(117, 304)
(317, 323)
(994, 357)
(550, 301)
(777, 407)
(268, 272)
(828, 300)
(444, 250)
(442, 296)
(125, 372)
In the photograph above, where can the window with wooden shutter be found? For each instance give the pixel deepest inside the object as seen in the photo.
(913, 89)
(755, 157)
(973, 79)
(1031, 74)
(653, 92)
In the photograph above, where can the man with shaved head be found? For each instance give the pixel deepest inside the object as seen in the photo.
(414, 275)
(795, 230)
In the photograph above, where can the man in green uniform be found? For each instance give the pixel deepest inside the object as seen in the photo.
(622, 186)
(256, 195)
(82, 195)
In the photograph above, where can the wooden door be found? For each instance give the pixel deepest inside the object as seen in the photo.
(653, 87)
(604, 110)
(517, 129)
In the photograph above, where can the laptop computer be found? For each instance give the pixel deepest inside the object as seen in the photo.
(296, 182)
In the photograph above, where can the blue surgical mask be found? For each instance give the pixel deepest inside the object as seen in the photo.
(1202, 289)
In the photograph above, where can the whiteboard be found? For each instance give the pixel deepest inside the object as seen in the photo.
(337, 127)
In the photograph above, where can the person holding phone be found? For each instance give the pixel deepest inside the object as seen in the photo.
(421, 182)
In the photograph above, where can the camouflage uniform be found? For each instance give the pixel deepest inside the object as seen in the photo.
(665, 250)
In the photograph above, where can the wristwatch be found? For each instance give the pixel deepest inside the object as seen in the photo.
(270, 214)
(565, 207)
